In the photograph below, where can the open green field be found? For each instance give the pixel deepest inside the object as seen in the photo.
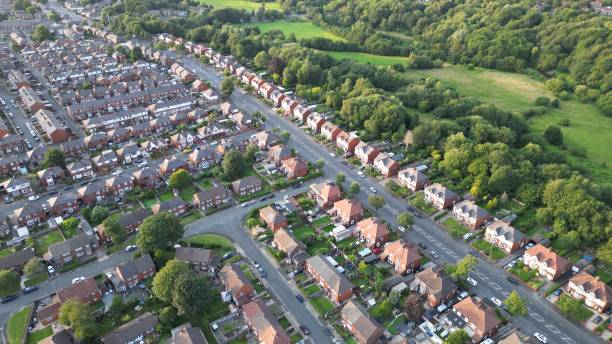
(241, 4)
(301, 29)
(16, 325)
(589, 129)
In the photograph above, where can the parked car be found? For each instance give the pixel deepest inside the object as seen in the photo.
(434, 254)
(304, 330)
(597, 319)
(422, 245)
(558, 292)
(228, 255)
(299, 297)
(129, 248)
(496, 301)
(8, 298)
(467, 236)
(50, 269)
(512, 280)
(372, 189)
(33, 198)
(78, 280)
(361, 174)
(541, 337)
(29, 289)
(472, 281)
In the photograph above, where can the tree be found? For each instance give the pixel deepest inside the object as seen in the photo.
(464, 266)
(262, 59)
(413, 307)
(179, 179)
(159, 231)
(79, 317)
(573, 308)
(458, 337)
(320, 163)
(9, 283)
(165, 280)
(553, 135)
(354, 188)
(604, 253)
(54, 157)
(233, 165)
(113, 229)
(405, 220)
(117, 307)
(98, 214)
(227, 87)
(376, 202)
(53, 16)
(41, 33)
(189, 294)
(340, 179)
(516, 305)
(33, 267)
(70, 225)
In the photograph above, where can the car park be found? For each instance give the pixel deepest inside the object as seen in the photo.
(472, 281)
(541, 337)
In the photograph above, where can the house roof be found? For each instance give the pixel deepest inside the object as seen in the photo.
(27, 210)
(504, 229)
(365, 326)
(133, 217)
(479, 314)
(61, 198)
(135, 267)
(271, 215)
(548, 256)
(117, 180)
(440, 191)
(327, 190)
(60, 248)
(403, 252)
(132, 329)
(235, 280)
(246, 182)
(212, 193)
(287, 243)
(194, 254)
(437, 284)
(264, 323)
(50, 172)
(336, 281)
(145, 173)
(186, 334)
(471, 209)
(16, 259)
(79, 290)
(592, 285)
(279, 152)
(372, 228)
(168, 205)
(348, 207)
(413, 175)
(294, 164)
(91, 188)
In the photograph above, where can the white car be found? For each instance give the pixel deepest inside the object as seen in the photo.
(467, 236)
(401, 228)
(78, 280)
(109, 274)
(130, 248)
(372, 189)
(472, 281)
(541, 337)
(496, 301)
(333, 155)
(33, 198)
(361, 174)
(50, 269)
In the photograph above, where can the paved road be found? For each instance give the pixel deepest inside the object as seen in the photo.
(492, 281)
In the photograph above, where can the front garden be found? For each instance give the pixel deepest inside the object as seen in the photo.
(488, 249)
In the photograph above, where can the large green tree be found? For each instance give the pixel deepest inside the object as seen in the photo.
(227, 87)
(80, 318)
(159, 231)
(189, 296)
(33, 266)
(113, 229)
(515, 304)
(457, 337)
(233, 165)
(165, 280)
(179, 179)
(54, 157)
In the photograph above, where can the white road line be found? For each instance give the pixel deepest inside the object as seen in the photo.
(537, 317)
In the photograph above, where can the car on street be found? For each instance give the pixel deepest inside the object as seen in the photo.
(8, 298)
(434, 254)
(512, 280)
(29, 289)
(33, 198)
(401, 228)
(50, 269)
(78, 280)
(463, 295)
(361, 174)
(496, 301)
(256, 264)
(262, 272)
(422, 245)
(372, 189)
(299, 297)
(467, 236)
(228, 255)
(541, 337)
(510, 265)
(304, 330)
(472, 281)
(129, 248)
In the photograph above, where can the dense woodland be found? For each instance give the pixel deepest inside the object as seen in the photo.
(474, 147)
(562, 40)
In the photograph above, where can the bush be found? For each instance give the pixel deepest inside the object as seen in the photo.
(564, 122)
(553, 135)
(542, 101)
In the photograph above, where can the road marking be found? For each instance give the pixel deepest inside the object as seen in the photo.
(552, 328)
(537, 317)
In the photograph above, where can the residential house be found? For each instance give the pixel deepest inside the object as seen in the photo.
(273, 218)
(364, 328)
(247, 185)
(51, 126)
(439, 196)
(74, 147)
(182, 140)
(147, 178)
(17, 186)
(289, 245)
(277, 97)
(235, 282)
(479, 317)
(325, 194)
(80, 169)
(265, 140)
(16, 261)
(29, 215)
(366, 153)
(186, 334)
(96, 141)
(335, 284)
(200, 258)
(595, 293)
(403, 255)
(92, 193)
(132, 220)
(133, 331)
(348, 211)
(68, 250)
(278, 153)
(50, 176)
(373, 231)
(133, 272)
(119, 185)
(106, 161)
(176, 206)
(36, 155)
(315, 121)
(169, 166)
(548, 263)
(128, 153)
(266, 90)
(154, 146)
(295, 167)
(11, 144)
(214, 197)
(435, 285)
(264, 324)
(413, 179)
(384, 164)
(347, 142)
(470, 214)
(86, 291)
(301, 113)
(62, 337)
(243, 120)
(288, 105)
(504, 236)
(63, 204)
(11, 164)
(330, 131)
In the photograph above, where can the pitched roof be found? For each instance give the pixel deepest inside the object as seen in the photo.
(372, 228)
(288, 243)
(236, 281)
(168, 205)
(133, 217)
(194, 254)
(548, 256)
(365, 326)
(18, 258)
(212, 193)
(327, 190)
(403, 253)
(336, 281)
(131, 329)
(349, 207)
(65, 246)
(79, 290)
(271, 215)
(471, 209)
(593, 285)
(135, 267)
(502, 228)
(264, 323)
(479, 314)
(186, 334)
(437, 284)
(440, 191)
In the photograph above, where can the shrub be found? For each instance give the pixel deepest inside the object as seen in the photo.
(542, 101)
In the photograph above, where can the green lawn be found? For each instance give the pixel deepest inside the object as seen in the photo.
(303, 233)
(241, 4)
(187, 194)
(456, 229)
(193, 216)
(36, 336)
(523, 272)
(311, 289)
(487, 248)
(149, 202)
(322, 304)
(368, 58)
(321, 221)
(166, 196)
(211, 241)
(16, 325)
(35, 279)
(578, 311)
(7, 251)
(301, 29)
(205, 183)
(43, 242)
(318, 247)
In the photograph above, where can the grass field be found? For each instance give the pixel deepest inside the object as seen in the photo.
(241, 4)
(16, 325)
(589, 129)
(36, 336)
(301, 29)
(211, 240)
(322, 304)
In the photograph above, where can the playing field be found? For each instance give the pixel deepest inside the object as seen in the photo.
(301, 29)
(242, 4)
(589, 129)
